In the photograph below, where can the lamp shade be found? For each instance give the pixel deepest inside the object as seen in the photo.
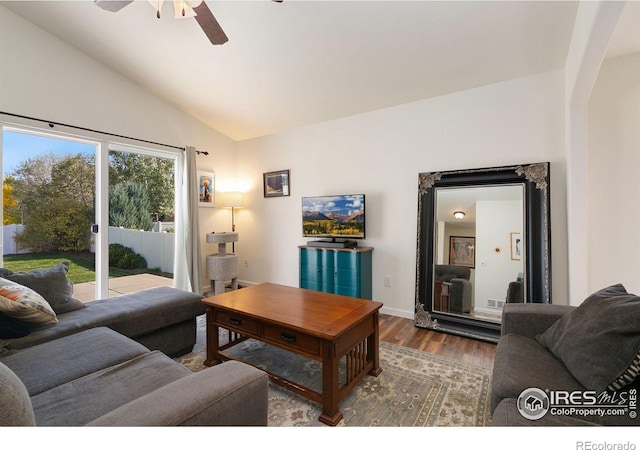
(231, 200)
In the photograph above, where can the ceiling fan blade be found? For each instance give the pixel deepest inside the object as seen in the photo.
(210, 25)
(112, 5)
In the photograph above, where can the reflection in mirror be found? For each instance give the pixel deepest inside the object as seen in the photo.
(483, 241)
(478, 260)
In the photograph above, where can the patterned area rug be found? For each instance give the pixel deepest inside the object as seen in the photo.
(414, 389)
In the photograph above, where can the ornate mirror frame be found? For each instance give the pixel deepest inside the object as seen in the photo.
(537, 265)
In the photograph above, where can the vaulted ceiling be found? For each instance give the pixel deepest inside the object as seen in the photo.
(300, 62)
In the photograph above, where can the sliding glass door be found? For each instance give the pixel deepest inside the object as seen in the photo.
(141, 218)
(106, 208)
(48, 205)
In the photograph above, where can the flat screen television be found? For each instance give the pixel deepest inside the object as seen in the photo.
(334, 216)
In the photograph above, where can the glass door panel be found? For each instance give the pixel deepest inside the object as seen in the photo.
(48, 205)
(141, 204)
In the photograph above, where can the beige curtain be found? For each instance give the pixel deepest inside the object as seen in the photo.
(187, 249)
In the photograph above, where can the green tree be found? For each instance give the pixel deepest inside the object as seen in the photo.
(129, 206)
(154, 174)
(32, 177)
(62, 224)
(10, 207)
(56, 198)
(74, 177)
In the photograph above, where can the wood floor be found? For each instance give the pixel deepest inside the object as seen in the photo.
(400, 331)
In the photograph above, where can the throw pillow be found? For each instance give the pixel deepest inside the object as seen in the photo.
(599, 341)
(53, 285)
(11, 328)
(24, 304)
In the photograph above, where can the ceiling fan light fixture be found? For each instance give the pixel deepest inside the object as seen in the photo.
(183, 9)
(157, 5)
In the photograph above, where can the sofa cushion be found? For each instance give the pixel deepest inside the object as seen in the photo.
(82, 400)
(14, 400)
(11, 328)
(520, 363)
(52, 284)
(133, 315)
(444, 272)
(25, 304)
(75, 356)
(599, 341)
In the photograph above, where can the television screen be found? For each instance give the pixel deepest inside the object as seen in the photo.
(336, 216)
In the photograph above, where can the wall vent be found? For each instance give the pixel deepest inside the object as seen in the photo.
(497, 304)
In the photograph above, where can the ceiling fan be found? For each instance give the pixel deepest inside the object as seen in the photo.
(183, 9)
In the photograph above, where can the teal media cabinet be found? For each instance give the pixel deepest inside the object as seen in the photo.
(342, 271)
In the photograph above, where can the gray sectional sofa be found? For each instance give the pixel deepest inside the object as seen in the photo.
(591, 351)
(108, 363)
(99, 377)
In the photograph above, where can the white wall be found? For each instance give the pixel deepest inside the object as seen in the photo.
(43, 77)
(614, 163)
(495, 270)
(380, 154)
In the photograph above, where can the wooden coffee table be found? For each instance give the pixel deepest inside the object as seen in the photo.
(320, 326)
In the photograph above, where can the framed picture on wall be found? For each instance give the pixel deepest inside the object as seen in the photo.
(462, 251)
(516, 246)
(206, 189)
(276, 184)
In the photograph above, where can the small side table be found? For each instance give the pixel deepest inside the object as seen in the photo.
(441, 293)
(222, 267)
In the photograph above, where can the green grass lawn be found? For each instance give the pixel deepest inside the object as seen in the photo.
(81, 267)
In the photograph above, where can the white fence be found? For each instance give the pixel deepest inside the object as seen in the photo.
(9, 244)
(157, 248)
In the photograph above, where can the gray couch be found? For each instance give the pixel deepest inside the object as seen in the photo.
(564, 348)
(99, 377)
(461, 294)
(161, 318)
(106, 363)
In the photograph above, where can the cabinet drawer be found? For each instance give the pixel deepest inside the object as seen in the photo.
(237, 322)
(294, 340)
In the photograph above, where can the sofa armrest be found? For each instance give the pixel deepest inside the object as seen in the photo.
(530, 319)
(228, 394)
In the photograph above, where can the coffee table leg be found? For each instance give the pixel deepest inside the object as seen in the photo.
(331, 414)
(373, 347)
(213, 347)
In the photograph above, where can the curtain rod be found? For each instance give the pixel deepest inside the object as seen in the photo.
(52, 124)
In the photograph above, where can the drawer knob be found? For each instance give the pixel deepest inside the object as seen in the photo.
(235, 321)
(288, 337)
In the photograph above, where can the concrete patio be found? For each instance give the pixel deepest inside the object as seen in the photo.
(85, 292)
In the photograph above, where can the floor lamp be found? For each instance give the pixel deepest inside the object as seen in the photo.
(232, 200)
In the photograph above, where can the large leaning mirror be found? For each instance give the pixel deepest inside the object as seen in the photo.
(483, 241)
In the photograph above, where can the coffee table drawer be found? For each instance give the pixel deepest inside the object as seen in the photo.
(298, 342)
(238, 322)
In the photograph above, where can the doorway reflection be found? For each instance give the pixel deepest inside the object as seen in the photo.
(478, 257)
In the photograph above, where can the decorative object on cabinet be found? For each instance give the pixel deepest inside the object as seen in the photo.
(334, 217)
(343, 271)
(222, 267)
(206, 189)
(276, 184)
